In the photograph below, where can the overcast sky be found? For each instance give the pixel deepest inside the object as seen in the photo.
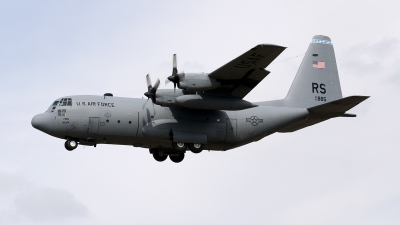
(343, 171)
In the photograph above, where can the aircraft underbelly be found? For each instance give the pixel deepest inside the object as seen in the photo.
(167, 129)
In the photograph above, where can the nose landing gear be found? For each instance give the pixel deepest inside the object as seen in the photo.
(71, 145)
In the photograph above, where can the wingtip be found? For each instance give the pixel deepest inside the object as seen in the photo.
(269, 45)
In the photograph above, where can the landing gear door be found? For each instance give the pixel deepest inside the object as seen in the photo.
(231, 130)
(93, 126)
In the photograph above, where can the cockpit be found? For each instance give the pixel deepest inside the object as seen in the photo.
(65, 102)
(61, 102)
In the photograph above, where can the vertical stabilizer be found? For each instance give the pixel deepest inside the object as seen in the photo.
(317, 80)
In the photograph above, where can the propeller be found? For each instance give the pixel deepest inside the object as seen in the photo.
(175, 77)
(151, 91)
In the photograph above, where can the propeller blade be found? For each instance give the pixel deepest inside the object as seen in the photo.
(174, 66)
(156, 85)
(148, 80)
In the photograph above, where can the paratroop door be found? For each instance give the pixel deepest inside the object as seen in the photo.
(93, 126)
(230, 130)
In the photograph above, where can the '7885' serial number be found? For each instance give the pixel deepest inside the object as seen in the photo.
(320, 99)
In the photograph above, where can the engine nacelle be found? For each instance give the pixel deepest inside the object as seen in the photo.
(197, 82)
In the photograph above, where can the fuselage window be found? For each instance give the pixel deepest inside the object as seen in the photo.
(69, 102)
(62, 112)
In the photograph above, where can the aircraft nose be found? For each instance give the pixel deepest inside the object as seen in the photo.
(42, 122)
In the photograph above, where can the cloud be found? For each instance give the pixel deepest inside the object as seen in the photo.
(11, 183)
(49, 204)
(372, 58)
(22, 202)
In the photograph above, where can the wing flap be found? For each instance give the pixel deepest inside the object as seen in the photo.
(243, 86)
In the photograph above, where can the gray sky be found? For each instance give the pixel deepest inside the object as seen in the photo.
(343, 171)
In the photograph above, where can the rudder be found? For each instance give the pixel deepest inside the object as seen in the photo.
(317, 80)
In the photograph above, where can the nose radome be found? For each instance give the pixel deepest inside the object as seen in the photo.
(41, 122)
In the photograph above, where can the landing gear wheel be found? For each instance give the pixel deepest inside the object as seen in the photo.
(71, 145)
(159, 156)
(180, 147)
(177, 158)
(196, 148)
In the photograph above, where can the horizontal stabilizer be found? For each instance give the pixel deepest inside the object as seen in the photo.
(339, 106)
(326, 111)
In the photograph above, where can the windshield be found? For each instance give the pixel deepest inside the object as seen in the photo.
(65, 102)
(61, 102)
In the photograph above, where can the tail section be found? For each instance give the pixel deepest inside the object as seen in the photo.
(317, 80)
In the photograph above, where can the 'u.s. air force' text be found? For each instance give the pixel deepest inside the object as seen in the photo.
(104, 104)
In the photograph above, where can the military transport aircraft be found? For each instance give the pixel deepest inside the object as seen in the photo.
(207, 111)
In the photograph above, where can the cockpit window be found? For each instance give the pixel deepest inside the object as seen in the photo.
(65, 102)
(53, 106)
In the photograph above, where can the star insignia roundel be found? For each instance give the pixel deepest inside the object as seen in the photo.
(254, 120)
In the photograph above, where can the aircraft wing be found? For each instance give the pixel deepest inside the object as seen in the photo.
(239, 76)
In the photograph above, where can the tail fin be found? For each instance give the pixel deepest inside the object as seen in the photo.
(317, 80)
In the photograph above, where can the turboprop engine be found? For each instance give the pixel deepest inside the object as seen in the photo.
(197, 82)
(191, 81)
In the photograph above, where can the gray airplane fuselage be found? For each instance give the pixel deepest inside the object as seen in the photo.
(124, 121)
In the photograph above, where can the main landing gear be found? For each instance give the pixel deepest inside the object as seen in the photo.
(177, 153)
(181, 147)
(196, 148)
(71, 145)
(160, 155)
(177, 157)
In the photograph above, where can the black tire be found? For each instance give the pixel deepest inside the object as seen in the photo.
(159, 156)
(196, 148)
(71, 145)
(67, 146)
(180, 147)
(177, 158)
